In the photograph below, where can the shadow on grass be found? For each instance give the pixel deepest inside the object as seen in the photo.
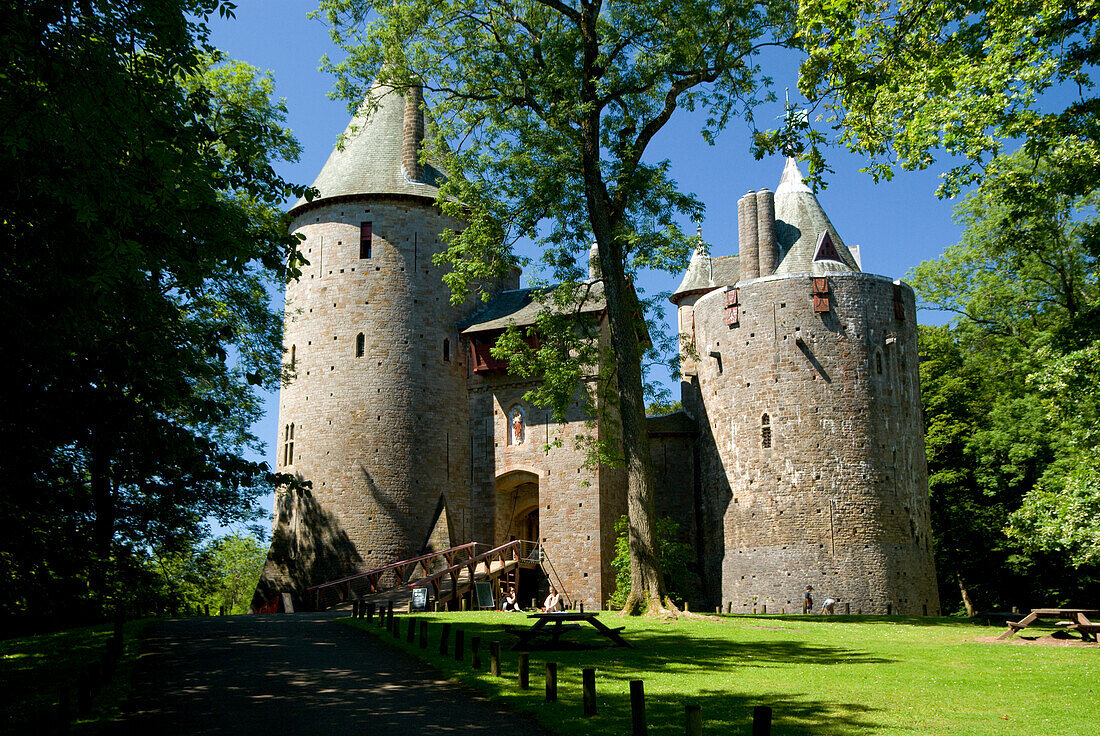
(701, 661)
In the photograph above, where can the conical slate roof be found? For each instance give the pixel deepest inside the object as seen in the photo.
(705, 274)
(799, 224)
(370, 162)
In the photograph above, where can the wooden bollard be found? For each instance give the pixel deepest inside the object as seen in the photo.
(475, 652)
(588, 688)
(355, 609)
(423, 634)
(389, 615)
(444, 634)
(534, 606)
(494, 658)
(637, 709)
(718, 609)
(693, 720)
(523, 671)
(582, 606)
(396, 627)
(465, 605)
(889, 608)
(460, 637)
(410, 637)
(551, 682)
(763, 608)
(370, 611)
(761, 721)
(847, 609)
(729, 607)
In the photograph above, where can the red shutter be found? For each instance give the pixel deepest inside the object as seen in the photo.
(821, 294)
(733, 311)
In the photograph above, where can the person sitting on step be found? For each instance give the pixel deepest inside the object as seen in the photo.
(552, 602)
(510, 603)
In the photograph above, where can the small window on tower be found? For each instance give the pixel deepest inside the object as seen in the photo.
(288, 444)
(446, 350)
(364, 239)
(765, 431)
(360, 345)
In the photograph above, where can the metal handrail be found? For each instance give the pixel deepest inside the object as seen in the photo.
(392, 565)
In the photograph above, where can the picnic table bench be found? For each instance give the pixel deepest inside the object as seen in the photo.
(561, 620)
(1074, 619)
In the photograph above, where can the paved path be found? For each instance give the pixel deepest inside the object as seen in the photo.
(285, 675)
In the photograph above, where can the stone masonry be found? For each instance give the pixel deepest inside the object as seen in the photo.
(798, 457)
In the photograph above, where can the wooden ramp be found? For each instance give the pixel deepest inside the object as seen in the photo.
(450, 575)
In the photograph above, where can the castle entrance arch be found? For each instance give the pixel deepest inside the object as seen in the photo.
(517, 506)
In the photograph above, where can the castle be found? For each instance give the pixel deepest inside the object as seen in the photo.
(798, 457)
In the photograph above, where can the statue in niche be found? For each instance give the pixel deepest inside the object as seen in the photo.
(517, 425)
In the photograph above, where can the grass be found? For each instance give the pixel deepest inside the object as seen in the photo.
(35, 670)
(824, 676)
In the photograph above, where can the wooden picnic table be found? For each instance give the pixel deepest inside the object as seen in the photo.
(559, 620)
(1075, 619)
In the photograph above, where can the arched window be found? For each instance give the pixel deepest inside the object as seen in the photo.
(765, 431)
(446, 350)
(360, 345)
(292, 357)
(288, 444)
(878, 362)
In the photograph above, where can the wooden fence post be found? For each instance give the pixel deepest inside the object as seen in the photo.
(693, 720)
(444, 634)
(494, 658)
(423, 634)
(370, 611)
(475, 652)
(551, 682)
(763, 608)
(523, 671)
(410, 637)
(761, 721)
(588, 687)
(460, 641)
(847, 609)
(637, 709)
(396, 627)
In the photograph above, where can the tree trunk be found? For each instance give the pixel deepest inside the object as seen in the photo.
(971, 611)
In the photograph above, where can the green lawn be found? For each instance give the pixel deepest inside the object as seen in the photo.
(34, 670)
(823, 676)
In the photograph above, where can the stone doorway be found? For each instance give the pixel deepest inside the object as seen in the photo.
(517, 512)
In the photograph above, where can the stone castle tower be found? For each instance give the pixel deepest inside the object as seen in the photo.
(798, 457)
(803, 386)
(375, 416)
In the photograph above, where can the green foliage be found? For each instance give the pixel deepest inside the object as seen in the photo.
(219, 575)
(144, 234)
(1011, 390)
(675, 558)
(900, 81)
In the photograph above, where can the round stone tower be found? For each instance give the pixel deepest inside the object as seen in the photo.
(807, 396)
(375, 415)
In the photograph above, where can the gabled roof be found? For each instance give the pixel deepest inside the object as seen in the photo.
(799, 224)
(520, 307)
(370, 161)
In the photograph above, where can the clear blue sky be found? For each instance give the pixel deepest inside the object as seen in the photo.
(898, 224)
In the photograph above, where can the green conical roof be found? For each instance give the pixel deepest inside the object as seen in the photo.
(370, 160)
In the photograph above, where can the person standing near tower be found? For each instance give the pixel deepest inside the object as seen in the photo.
(808, 604)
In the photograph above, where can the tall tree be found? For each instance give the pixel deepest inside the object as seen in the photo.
(1010, 388)
(544, 111)
(904, 80)
(143, 235)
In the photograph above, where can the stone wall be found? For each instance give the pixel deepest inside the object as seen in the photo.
(840, 498)
(385, 435)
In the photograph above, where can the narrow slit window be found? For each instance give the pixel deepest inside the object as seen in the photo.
(365, 234)
(360, 345)
(765, 431)
(290, 446)
(446, 350)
